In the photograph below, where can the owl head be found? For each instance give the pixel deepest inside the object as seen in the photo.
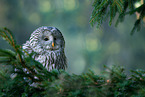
(47, 39)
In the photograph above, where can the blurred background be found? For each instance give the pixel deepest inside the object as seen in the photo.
(86, 47)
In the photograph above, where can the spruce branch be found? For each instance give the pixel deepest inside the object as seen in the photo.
(6, 34)
(60, 83)
(15, 57)
(109, 8)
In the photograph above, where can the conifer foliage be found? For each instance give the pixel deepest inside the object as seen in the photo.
(22, 76)
(110, 8)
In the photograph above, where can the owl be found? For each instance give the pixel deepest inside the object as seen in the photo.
(48, 46)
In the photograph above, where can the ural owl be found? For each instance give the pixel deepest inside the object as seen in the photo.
(48, 45)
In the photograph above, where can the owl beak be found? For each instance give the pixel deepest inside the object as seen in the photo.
(52, 44)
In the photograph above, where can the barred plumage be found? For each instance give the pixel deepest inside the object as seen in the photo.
(48, 44)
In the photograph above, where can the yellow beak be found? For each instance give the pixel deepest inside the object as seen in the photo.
(52, 44)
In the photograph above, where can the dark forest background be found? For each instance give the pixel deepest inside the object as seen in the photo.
(86, 47)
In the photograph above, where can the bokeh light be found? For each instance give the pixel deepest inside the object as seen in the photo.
(86, 47)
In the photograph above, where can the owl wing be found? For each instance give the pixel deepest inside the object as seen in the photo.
(26, 47)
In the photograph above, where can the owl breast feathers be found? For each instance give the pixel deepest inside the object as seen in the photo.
(48, 45)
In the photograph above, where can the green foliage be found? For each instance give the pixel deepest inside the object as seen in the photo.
(28, 78)
(110, 8)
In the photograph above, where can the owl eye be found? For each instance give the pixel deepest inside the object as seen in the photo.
(46, 39)
(54, 38)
